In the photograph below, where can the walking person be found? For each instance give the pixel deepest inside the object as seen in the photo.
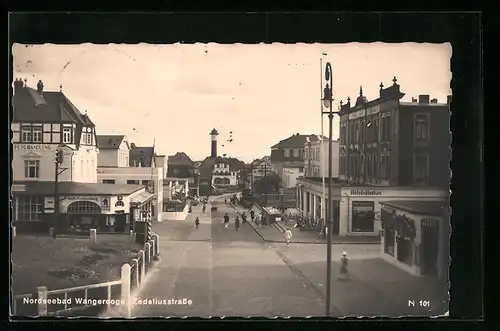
(257, 221)
(226, 220)
(243, 219)
(204, 208)
(237, 223)
(197, 223)
(252, 215)
(288, 237)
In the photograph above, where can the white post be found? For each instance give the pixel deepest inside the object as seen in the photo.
(125, 289)
(13, 231)
(93, 235)
(132, 236)
(153, 250)
(42, 303)
(143, 264)
(148, 248)
(135, 262)
(157, 243)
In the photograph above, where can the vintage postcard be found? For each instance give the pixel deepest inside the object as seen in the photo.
(231, 180)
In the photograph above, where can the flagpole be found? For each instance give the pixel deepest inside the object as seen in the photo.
(321, 155)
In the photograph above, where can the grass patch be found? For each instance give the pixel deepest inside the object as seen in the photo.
(67, 262)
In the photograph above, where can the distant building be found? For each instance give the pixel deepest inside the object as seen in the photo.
(288, 152)
(316, 157)
(141, 156)
(290, 174)
(223, 176)
(114, 151)
(180, 165)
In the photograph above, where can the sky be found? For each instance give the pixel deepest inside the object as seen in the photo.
(174, 95)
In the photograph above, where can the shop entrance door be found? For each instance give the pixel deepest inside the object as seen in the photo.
(120, 222)
(430, 247)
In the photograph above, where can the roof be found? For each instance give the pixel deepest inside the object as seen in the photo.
(110, 141)
(180, 158)
(419, 207)
(214, 132)
(295, 141)
(209, 162)
(73, 188)
(142, 197)
(142, 156)
(256, 162)
(31, 106)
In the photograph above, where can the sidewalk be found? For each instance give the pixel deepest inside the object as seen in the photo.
(273, 233)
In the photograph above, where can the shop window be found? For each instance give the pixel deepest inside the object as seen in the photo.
(84, 207)
(363, 216)
(29, 208)
(389, 236)
(32, 169)
(405, 250)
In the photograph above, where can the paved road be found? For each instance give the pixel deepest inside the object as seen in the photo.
(225, 272)
(231, 273)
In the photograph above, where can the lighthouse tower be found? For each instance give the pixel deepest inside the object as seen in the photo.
(213, 135)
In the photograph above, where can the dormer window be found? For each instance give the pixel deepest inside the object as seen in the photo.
(67, 135)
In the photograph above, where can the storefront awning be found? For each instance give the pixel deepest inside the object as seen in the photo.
(141, 198)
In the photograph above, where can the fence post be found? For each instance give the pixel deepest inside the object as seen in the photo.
(132, 236)
(42, 303)
(157, 243)
(93, 235)
(153, 251)
(143, 264)
(125, 289)
(148, 248)
(135, 262)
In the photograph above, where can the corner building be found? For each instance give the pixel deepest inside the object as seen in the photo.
(44, 122)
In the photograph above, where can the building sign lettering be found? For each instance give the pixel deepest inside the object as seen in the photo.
(430, 222)
(88, 198)
(31, 147)
(366, 192)
(373, 110)
(356, 114)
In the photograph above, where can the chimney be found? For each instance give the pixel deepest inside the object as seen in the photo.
(423, 98)
(434, 100)
(132, 145)
(298, 134)
(414, 100)
(39, 87)
(448, 99)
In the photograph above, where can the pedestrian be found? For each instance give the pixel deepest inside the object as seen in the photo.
(197, 223)
(257, 221)
(203, 209)
(237, 223)
(243, 219)
(252, 215)
(288, 237)
(225, 201)
(343, 272)
(226, 220)
(263, 219)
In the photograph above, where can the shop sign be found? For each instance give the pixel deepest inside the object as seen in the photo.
(366, 192)
(119, 204)
(49, 205)
(87, 198)
(31, 147)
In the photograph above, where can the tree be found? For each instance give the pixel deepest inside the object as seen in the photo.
(267, 184)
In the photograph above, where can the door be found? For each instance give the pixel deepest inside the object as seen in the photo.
(430, 248)
(120, 221)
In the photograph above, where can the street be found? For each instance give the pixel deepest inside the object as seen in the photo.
(218, 271)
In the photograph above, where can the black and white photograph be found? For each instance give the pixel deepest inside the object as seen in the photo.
(231, 180)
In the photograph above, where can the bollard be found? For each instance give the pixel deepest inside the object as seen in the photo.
(343, 271)
(157, 243)
(143, 264)
(51, 232)
(132, 236)
(153, 251)
(125, 289)
(13, 231)
(42, 300)
(147, 247)
(135, 263)
(93, 235)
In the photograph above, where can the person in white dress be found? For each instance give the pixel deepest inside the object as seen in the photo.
(288, 236)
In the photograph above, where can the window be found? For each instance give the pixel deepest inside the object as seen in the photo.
(317, 154)
(421, 167)
(89, 139)
(301, 169)
(26, 134)
(363, 216)
(126, 160)
(37, 134)
(32, 169)
(108, 181)
(133, 182)
(362, 132)
(146, 182)
(287, 153)
(295, 153)
(29, 208)
(357, 133)
(67, 135)
(422, 127)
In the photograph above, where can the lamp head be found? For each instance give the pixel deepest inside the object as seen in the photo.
(327, 96)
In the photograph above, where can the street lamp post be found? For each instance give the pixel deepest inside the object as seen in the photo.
(328, 103)
(58, 160)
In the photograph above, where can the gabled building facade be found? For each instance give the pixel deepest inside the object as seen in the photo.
(114, 151)
(288, 152)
